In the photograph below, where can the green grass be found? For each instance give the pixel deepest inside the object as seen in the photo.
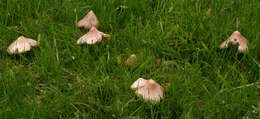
(47, 83)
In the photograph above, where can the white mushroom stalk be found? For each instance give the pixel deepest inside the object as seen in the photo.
(236, 39)
(88, 21)
(92, 37)
(148, 89)
(21, 45)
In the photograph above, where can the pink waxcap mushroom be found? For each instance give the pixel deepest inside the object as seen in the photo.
(148, 89)
(236, 39)
(21, 45)
(88, 21)
(92, 37)
(131, 60)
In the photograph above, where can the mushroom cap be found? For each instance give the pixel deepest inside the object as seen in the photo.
(131, 60)
(92, 37)
(21, 45)
(236, 39)
(138, 83)
(148, 89)
(224, 44)
(88, 21)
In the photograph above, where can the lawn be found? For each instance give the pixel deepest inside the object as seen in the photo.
(63, 80)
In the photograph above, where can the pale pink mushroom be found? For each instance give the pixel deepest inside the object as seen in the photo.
(131, 60)
(88, 21)
(138, 83)
(92, 37)
(21, 45)
(236, 39)
(148, 89)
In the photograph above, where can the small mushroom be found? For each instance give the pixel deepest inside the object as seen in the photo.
(148, 89)
(131, 60)
(158, 62)
(92, 37)
(21, 45)
(236, 39)
(88, 21)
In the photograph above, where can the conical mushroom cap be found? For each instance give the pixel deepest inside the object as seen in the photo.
(148, 89)
(236, 39)
(131, 60)
(21, 45)
(88, 21)
(92, 37)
